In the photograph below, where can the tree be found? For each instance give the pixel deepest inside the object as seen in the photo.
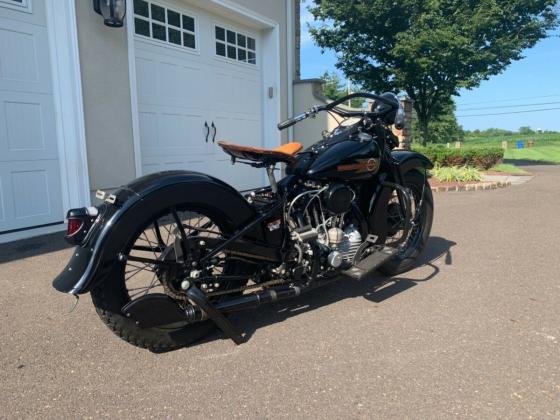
(525, 130)
(334, 88)
(429, 48)
(442, 128)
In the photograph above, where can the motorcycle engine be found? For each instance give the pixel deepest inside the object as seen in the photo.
(344, 243)
(319, 216)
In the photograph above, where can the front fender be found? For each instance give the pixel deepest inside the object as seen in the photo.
(139, 200)
(408, 160)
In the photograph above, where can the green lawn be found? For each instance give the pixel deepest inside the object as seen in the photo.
(508, 168)
(546, 146)
(542, 153)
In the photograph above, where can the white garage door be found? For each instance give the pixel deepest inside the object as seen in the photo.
(199, 80)
(30, 192)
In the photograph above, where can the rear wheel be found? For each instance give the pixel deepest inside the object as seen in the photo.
(154, 263)
(423, 207)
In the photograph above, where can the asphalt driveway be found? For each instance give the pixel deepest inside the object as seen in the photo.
(473, 332)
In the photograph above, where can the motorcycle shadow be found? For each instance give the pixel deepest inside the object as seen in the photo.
(375, 288)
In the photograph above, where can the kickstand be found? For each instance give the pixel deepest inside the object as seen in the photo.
(199, 298)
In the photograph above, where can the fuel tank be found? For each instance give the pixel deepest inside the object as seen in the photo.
(355, 158)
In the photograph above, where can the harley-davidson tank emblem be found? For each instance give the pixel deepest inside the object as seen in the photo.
(360, 166)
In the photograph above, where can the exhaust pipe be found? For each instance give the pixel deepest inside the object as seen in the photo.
(250, 301)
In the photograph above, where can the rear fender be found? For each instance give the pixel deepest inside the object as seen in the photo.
(141, 199)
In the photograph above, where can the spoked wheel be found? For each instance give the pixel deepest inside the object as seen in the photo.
(411, 247)
(156, 260)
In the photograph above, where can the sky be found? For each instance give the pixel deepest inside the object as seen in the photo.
(532, 83)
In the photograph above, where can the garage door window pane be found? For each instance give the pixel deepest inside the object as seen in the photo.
(158, 13)
(220, 33)
(141, 8)
(231, 52)
(241, 54)
(174, 36)
(231, 37)
(188, 40)
(251, 58)
(251, 43)
(173, 18)
(220, 49)
(241, 40)
(141, 27)
(158, 32)
(188, 23)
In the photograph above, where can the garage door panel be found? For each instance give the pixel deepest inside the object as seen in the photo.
(3, 199)
(27, 127)
(169, 84)
(146, 74)
(30, 194)
(182, 132)
(23, 51)
(236, 129)
(166, 133)
(151, 165)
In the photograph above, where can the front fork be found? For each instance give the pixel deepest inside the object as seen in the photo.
(405, 198)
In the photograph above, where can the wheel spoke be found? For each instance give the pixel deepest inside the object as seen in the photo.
(182, 232)
(155, 262)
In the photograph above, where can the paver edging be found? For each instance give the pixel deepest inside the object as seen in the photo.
(472, 187)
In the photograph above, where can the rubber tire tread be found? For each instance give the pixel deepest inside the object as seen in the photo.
(398, 265)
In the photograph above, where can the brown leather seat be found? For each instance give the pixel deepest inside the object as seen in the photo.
(285, 153)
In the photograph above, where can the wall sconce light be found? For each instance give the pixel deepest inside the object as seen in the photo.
(113, 11)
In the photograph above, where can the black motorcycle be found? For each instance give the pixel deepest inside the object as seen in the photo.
(167, 257)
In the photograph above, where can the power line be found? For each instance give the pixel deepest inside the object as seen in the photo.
(508, 100)
(507, 113)
(510, 106)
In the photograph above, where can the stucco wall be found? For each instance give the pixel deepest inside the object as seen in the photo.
(106, 89)
(307, 93)
(106, 92)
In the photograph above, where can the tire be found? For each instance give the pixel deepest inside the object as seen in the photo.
(406, 259)
(108, 299)
(112, 294)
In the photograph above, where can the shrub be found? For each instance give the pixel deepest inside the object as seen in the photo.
(456, 173)
(482, 158)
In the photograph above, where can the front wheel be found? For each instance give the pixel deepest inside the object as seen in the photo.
(423, 207)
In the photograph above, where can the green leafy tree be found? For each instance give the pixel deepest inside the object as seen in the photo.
(429, 48)
(525, 130)
(442, 128)
(334, 88)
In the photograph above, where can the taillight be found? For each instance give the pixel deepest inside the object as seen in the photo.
(74, 225)
(79, 223)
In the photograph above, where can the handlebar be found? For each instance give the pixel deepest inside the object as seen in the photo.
(332, 106)
(294, 120)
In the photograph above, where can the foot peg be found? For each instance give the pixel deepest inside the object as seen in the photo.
(199, 298)
(370, 263)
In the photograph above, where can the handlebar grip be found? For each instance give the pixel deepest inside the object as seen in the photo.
(287, 123)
